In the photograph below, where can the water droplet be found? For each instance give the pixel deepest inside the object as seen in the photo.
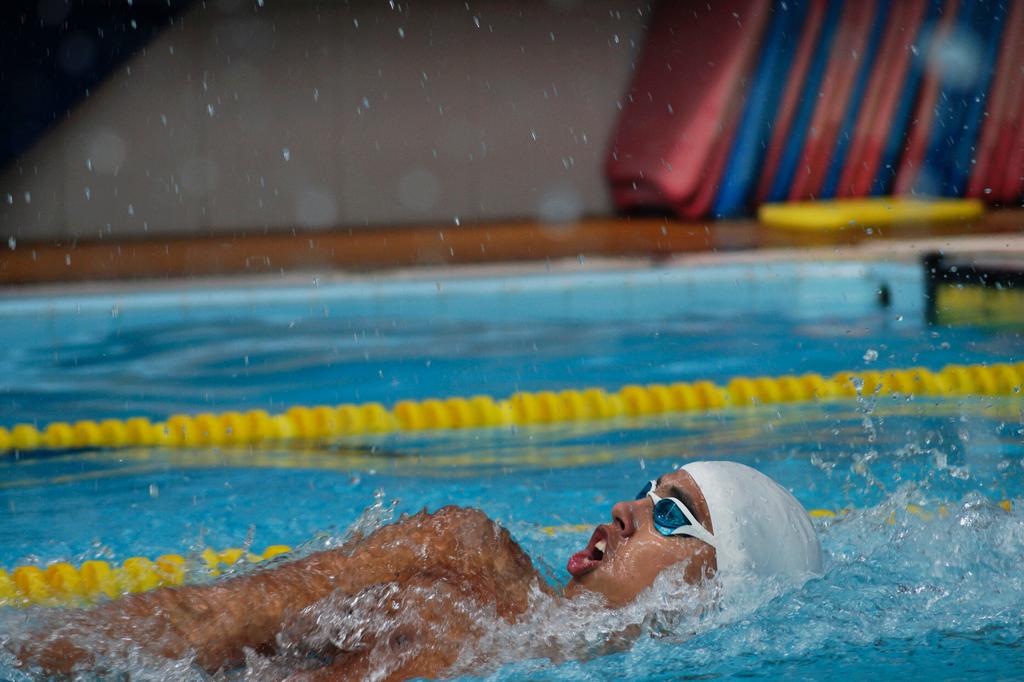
(209, 110)
(12, 243)
(28, 197)
(88, 194)
(870, 355)
(988, 190)
(287, 154)
(401, 32)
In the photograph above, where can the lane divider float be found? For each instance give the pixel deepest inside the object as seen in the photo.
(64, 584)
(543, 407)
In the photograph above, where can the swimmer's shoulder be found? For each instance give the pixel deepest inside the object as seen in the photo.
(484, 545)
(455, 513)
(471, 529)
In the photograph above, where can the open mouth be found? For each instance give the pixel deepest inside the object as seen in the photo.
(586, 560)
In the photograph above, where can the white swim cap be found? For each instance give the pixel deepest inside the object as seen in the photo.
(760, 529)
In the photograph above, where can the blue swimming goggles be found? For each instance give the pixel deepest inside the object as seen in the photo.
(671, 517)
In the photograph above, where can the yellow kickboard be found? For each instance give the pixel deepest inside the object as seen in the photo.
(838, 214)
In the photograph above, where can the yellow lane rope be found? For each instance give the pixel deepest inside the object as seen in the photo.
(544, 407)
(63, 584)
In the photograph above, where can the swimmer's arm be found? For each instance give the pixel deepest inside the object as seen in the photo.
(217, 621)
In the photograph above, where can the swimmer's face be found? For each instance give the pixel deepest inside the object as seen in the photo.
(635, 552)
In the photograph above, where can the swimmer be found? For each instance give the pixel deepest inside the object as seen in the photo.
(707, 520)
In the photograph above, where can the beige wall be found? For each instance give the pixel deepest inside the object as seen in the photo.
(318, 115)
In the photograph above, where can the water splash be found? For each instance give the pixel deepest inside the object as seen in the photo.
(894, 582)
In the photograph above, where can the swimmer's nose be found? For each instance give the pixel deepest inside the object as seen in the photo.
(624, 517)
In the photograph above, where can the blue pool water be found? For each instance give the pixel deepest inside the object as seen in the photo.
(902, 594)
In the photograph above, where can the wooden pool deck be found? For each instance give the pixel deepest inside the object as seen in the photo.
(377, 249)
